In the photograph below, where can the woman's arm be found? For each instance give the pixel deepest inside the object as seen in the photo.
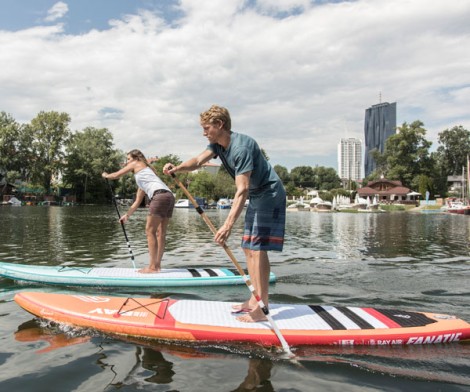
(138, 201)
(118, 174)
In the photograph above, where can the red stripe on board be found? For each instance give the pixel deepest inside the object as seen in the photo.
(384, 319)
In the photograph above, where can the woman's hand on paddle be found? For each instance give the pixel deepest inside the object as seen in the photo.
(124, 218)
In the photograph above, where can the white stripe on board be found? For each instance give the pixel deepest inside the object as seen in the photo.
(367, 317)
(341, 317)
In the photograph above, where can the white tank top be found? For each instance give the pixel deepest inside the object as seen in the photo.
(149, 182)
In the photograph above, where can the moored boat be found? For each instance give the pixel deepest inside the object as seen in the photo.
(182, 203)
(455, 206)
(224, 204)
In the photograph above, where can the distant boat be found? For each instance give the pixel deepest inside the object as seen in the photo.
(224, 204)
(324, 206)
(185, 203)
(298, 206)
(455, 206)
(313, 202)
(182, 203)
(360, 203)
(14, 201)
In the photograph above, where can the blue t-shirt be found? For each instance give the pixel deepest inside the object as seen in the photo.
(243, 155)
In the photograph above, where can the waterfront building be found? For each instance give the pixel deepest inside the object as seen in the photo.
(380, 123)
(350, 159)
(388, 191)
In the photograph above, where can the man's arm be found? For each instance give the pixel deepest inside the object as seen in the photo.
(242, 183)
(190, 164)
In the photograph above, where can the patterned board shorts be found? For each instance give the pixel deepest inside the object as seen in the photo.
(162, 204)
(264, 225)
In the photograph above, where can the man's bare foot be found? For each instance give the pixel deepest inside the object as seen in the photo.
(148, 270)
(246, 306)
(254, 316)
(239, 307)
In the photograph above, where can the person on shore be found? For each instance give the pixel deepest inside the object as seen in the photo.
(162, 202)
(254, 179)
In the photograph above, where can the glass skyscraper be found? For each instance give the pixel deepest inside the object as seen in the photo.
(380, 123)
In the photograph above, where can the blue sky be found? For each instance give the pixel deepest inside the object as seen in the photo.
(297, 75)
(78, 16)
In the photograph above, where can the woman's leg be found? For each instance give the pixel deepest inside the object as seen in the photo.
(161, 239)
(153, 222)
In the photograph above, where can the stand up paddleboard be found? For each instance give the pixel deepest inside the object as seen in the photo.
(211, 321)
(121, 277)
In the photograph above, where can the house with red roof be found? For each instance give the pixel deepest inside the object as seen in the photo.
(389, 191)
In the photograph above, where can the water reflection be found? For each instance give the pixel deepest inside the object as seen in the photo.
(258, 377)
(154, 361)
(81, 235)
(30, 331)
(134, 362)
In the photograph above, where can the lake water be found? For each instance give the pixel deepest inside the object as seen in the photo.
(409, 261)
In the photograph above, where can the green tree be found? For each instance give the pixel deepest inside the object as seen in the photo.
(48, 133)
(224, 186)
(13, 163)
(407, 154)
(203, 184)
(175, 160)
(453, 150)
(425, 184)
(89, 153)
(326, 178)
(303, 176)
(283, 173)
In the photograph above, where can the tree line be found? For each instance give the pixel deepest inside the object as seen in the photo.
(407, 158)
(45, 156)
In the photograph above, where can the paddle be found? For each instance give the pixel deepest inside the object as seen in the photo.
(262, 306)
(122, 224)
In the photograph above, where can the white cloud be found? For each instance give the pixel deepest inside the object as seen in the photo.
(57, 11)
(297, 84)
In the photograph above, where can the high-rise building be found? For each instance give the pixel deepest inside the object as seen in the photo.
(350, 159)
(380, 123)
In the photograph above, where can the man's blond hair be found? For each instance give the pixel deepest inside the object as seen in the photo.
(215, 114)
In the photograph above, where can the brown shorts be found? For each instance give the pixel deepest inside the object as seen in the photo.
(162, 204)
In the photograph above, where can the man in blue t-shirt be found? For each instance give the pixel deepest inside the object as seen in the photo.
(255, 180)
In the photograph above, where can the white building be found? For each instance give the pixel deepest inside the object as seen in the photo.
(350, 159)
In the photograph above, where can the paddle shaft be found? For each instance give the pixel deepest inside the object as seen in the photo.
(122, 224)
(247, 281)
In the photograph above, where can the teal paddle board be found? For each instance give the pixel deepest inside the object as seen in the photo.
(121, 277)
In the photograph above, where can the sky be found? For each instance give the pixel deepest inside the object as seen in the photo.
(297, 75)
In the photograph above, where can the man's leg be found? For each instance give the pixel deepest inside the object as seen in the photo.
(258, 269)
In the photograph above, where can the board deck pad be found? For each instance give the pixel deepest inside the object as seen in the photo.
(121, 277)
(213, 321)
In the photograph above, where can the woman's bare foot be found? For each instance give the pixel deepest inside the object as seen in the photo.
(254, 316)
(149, 270)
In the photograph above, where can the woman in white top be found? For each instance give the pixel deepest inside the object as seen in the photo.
(161, 205)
